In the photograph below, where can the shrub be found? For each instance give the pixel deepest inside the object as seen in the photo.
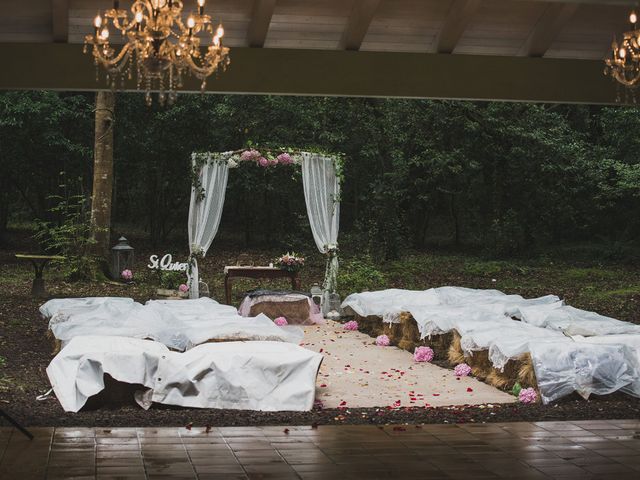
(359, 275)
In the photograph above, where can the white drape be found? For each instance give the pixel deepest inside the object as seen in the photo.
(322, 196)
(205, 213)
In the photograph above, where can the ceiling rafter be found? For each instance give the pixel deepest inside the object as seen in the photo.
(460, 14)
(360, 18)
(260, 21)
(550, 24)
(60, 20)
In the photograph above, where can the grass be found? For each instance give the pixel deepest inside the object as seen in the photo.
(612, 289)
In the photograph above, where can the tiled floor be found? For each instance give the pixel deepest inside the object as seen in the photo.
(562, 450)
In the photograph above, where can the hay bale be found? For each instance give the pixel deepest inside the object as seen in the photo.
(371, 325)
(526, 374)
(480, 364)
(296, 312)
(455, 355)
(410, 335)
(393, 331)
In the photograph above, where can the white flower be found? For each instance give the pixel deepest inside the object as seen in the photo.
(231, 163)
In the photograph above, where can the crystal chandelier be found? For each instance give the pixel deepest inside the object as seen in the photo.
(158, 45)
(623, 64)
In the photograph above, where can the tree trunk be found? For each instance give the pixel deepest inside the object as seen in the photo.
(102, 173)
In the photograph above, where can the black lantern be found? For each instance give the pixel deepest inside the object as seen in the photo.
(121, 258)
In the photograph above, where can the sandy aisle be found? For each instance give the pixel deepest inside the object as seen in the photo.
(360, 374)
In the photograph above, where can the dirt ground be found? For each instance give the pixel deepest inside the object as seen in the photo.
(25, 352)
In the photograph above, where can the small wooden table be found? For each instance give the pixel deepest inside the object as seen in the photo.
(39, 262)
(257, 272)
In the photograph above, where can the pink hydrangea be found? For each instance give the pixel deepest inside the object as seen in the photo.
(351, 325)
(127, 274)
(184, 288)
(263, 162)
(281, 321)
(528, 395)
(382, 341)
(462, 370)
(423, 354)
(284, 159)
(250, 155)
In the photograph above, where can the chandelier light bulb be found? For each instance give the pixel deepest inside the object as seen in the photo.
(191, 22)
(201, 3)
(622, 52)
(104, 34)
(139, 16)
(220, 31)
(216, 40)
(633, 18)
(97, 22)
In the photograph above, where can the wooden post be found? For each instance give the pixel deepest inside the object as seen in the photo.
(102, 172)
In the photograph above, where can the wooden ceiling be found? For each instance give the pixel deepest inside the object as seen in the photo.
(552, 29)
(531, 50)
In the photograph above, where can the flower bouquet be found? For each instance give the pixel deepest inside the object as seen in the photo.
(291, 262)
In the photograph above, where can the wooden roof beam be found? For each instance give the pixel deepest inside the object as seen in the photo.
(260, 20)
(460, 14)
(550, 24)
(60, 20)
(359, 20)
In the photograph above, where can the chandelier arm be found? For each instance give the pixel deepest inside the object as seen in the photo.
(111, 62)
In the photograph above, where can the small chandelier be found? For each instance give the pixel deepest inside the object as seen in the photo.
(623, 64)
(158, 45)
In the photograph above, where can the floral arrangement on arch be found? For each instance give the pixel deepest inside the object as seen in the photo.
(266, 159)
(291, 262)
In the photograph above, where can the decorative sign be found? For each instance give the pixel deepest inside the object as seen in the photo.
(166, 263)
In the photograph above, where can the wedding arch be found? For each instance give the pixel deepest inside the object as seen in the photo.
(321, 173)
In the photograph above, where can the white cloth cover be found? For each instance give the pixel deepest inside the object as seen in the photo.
(440, 310)
(631, 344)
(178, 324)
(565, 366)
(505, 340)
(49, 308)
(322, 196)
(205, 213)
(574, 321)
(267, 376)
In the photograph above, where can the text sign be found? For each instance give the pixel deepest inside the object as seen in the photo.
(166, 263)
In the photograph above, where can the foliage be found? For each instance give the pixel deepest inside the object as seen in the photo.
(359, 275)
(503, 179)
(69, 235)
(170, 279)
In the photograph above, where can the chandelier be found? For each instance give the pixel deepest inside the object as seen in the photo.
(623, 64)
(158, 46)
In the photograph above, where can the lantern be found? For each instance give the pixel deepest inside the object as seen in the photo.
(121, 258)
(316, 294)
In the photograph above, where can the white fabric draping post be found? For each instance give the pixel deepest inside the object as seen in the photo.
(322, 196)
(205, 213)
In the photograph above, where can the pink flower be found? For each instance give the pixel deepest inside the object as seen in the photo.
(423, 354)
(183, 288)
(462, 370)
(263, 162)
(250, 155)
(284, 159)
(281, 321)
(382, 341)
(528, 395)
(351, 325)
(127, 274)
(273, 161)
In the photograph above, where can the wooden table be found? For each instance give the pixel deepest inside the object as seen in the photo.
(257, 272)
(39, 262)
